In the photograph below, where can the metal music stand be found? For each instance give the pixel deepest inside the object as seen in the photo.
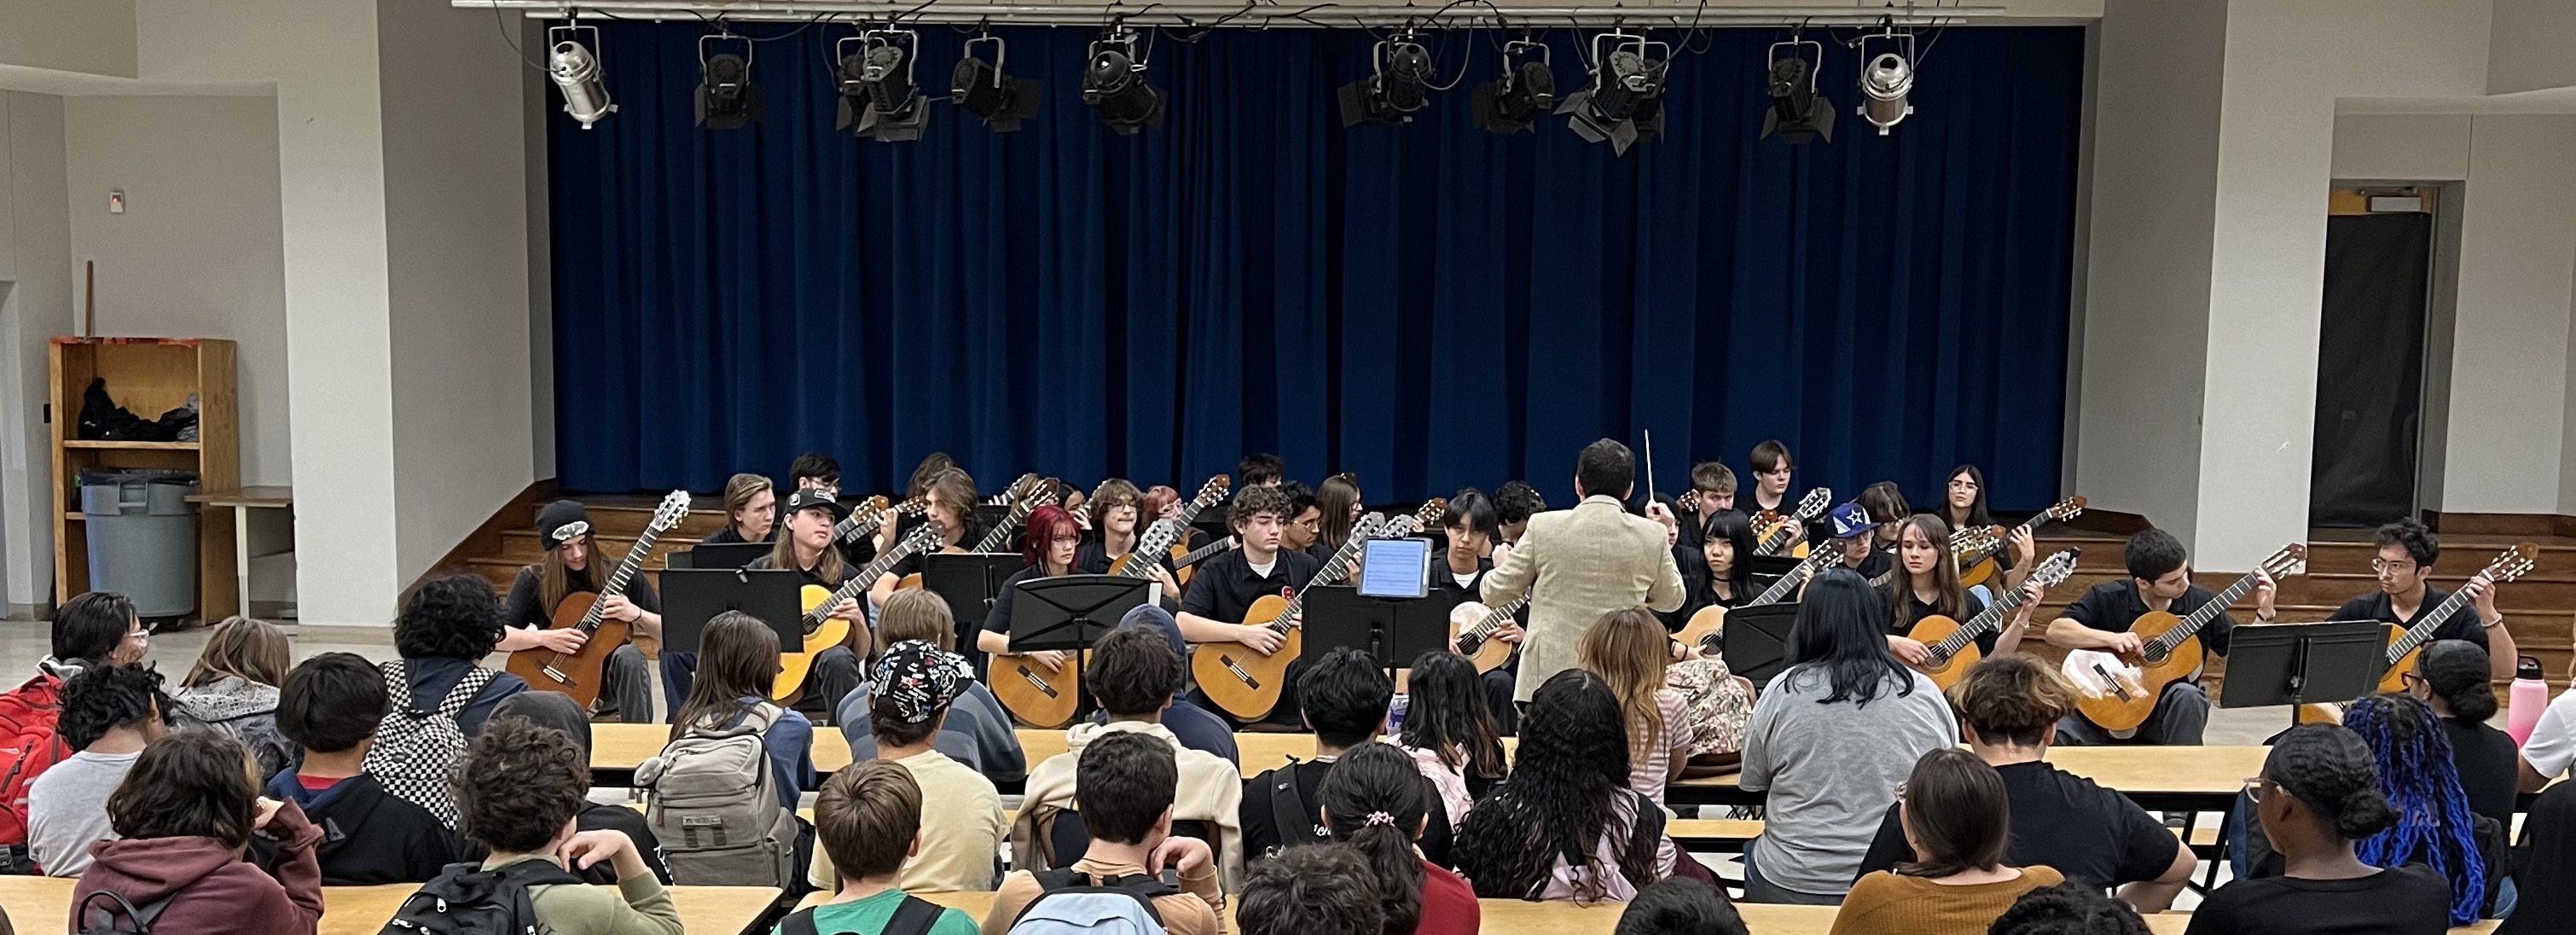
(1391, 630)
(1756, 640)
(693, 596)
(2303, 663)
(1071, 612)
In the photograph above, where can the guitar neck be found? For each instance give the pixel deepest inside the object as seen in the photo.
(1202, 553)
(866, 578)
(623, 575)
(1331, 573)
(1150, 547)
(2422, 632)
(1498, 615)
(2200, 618)
(1985, 619)
(1771, 543)
(1000, 535)
(1779, 590)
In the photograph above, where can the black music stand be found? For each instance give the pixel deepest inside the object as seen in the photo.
(722, 555)
(1071, 612)
(1767, 570)
(969, 583)
(693, 596)
(1756, 640)
(1391, 630)
(2303, 663)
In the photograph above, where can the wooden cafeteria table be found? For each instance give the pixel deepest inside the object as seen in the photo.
(616, 749)
(36, 904)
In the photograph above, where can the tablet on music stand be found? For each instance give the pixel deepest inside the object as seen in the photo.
(1071, 612)
(2303, 663)
(1395, 568)
(723, 555)
(1756, 640)
(693, 596)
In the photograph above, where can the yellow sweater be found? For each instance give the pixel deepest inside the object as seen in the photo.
(1883, 903)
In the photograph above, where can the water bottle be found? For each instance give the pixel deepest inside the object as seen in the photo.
(1395, 713)
(2529, 695)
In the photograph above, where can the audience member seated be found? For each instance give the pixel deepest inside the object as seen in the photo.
(2318, 796)
(557, 710)
(2451, 676)
(1198, 728)
(1450, 732)
(109, 714)
(1680, 907)
(1310, 890)
(448, 624)
(1955, 816)
(738, 667)
(1630, 650)
(2543, 863)
(1376, 801)
(1344, 697)
(1830, 738)
(2009, 707)
(2070, 908)
(1133, 673)
(977, 732)
(1125, 784)
(2551, 747)
(1568, 795)
(868, 821)
(961, 827)
(94, 629)
(330, 706)
(2434, 824)
(184, 817)
(520, 788)
(233, 689)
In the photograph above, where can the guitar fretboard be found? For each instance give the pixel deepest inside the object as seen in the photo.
(2200, 618)
(1779, 590)
(2424, 628)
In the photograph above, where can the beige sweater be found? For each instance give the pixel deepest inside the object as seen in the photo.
(1211, 791)
(961, 831)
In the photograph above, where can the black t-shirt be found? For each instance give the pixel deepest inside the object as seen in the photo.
(523, 608)
(998, 619)
(2113, 605)
(1877, 564)
(731, 536)
(1261, 830)
(2489, 767)
(808, 575)
(2463, 625)
(1226, 585)
(2408, 900)
(1916, 610)
(2063, 821)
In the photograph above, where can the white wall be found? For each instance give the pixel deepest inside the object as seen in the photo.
(35, 254)
(199, 251)
(2401, 147)
(2509, 367)
(87, 36)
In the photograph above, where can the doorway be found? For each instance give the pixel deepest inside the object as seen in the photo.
(2370, 357)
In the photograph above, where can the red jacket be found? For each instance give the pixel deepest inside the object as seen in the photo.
(218, 892)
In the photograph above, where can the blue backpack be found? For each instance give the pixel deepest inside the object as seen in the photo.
(1075, 904)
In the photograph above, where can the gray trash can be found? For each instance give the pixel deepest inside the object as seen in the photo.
(143, 538)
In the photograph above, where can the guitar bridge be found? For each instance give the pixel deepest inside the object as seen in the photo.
(1248, 680)
(552, 673)
(2116, 688)
(1040, 684)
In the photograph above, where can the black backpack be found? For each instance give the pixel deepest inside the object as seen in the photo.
(914, 917)
(101, 919)
(465, 899)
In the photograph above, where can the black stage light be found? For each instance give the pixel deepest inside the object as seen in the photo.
(1798, 114)
(990, 93)
(878, 97)
(726, 98)
(1399, 85)
(1113, 83)
(575, 70)
(1627, 85)
(1512, 103)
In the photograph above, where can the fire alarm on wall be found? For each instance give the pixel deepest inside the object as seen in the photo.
(116, 201)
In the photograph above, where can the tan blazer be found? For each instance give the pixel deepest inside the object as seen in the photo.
(1577, 565)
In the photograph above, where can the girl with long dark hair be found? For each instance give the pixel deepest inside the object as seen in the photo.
(737, 663)
(1830, 739)
(1337, 502)
(1450, 731)
(1374, 800)
(1565, 825)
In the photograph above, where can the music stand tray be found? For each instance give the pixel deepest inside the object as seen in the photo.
(1391, 630)
(1071, 612)
(724, 555)
(693, 596)
(1756, 640)
(2303, 663)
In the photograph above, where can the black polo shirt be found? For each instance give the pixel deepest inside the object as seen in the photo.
(523, 608)
(2113, 605)
(1443, 579)
(1226, 585)
(1915, 610)
(2463, 625)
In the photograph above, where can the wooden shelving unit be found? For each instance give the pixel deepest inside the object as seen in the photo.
(148, 376)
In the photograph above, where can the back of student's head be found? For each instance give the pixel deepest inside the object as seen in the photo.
(550, 709)
(2152, 554)
(1123, 784)
(1841, 637)
(1446, 710)
(737, 659)
(1309, 891)
(331, 702)
(1376, 799)
(1955, 812)
(2412, 751)
(520, 783)
(2068, 908)
(1627, 648)
(1134, 671)
(866, 818)
(2328, 768)
(103, 698)
(1605, 469)
(1515, 501)
(1571, 772)
(89, 626)
(916, 614)
(1258, 469)
(2456, 671)
(1680, 906)
(242, 647)
(194, 784)
(1345, 696)
(449, 617)
(2012, 699)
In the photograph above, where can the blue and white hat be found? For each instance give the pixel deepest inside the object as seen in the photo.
(1852, 522)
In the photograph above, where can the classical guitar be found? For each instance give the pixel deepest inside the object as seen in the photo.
(2118, 694)
(577, 673)
(1475, 641)
(1019, 487)
(1185, 564)
(1774, 529)
(1245, 683)
(870, 514)
(999, 539)
(1164, 537)
(2407, 643)
(824, 631)
(1975, 569)
(1706, 625)
(1954, 644)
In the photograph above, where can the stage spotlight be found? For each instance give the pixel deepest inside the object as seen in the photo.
(1887, 80)
(726, 97)
(1512, 103)
(575, 69)
(1399, 85)
(987, 92)
(878, 98)
(1626, 84)
(1798, 114)
(1114, 84)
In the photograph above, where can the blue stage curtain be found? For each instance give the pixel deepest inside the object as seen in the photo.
(1430, 305)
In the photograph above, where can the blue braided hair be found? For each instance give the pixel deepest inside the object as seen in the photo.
(2434, 824)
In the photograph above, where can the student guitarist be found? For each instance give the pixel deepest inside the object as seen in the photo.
(2407, 551)
(573, 564)
(805, 547)
(2159, 580)
(1212, 610)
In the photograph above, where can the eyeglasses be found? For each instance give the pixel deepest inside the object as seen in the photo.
(2256, 787)
(2384, 565)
